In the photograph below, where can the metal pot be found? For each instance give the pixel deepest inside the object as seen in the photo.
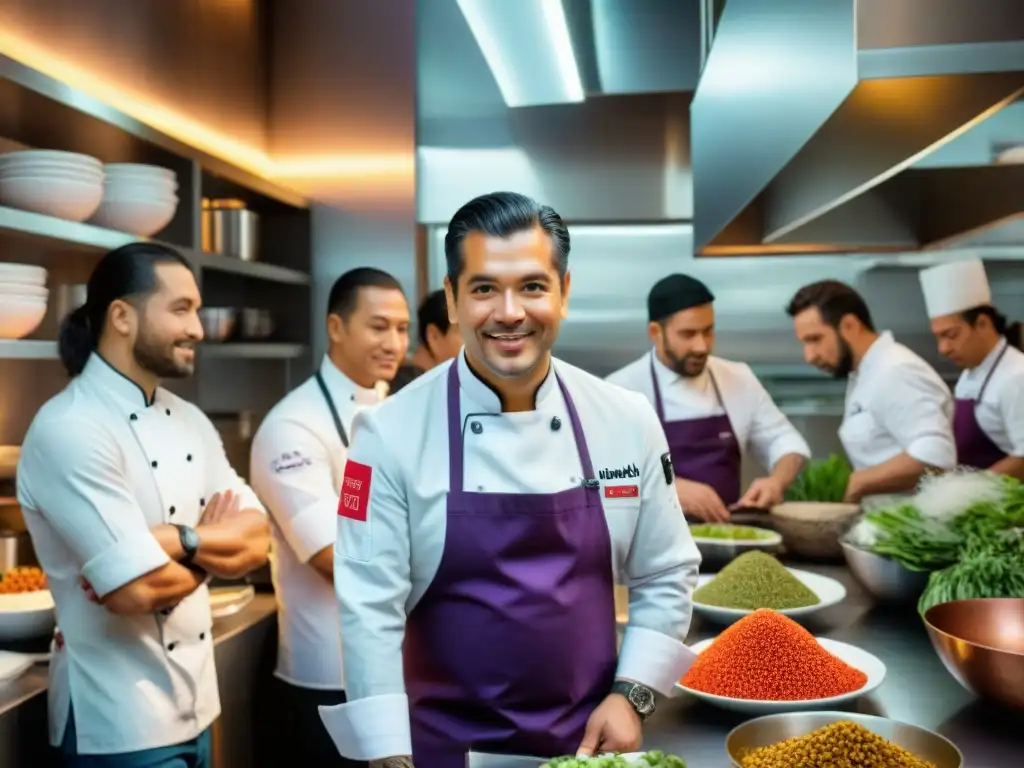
(230, 229)
(15, 550)
(218, 322)
(257, 324)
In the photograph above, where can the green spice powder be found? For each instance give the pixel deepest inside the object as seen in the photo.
(756, 580)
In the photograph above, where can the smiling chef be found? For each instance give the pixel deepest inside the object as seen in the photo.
(898, 415)
(486, 513)
(989, 418)
(711, 409)
(298, 458)
(131, 505)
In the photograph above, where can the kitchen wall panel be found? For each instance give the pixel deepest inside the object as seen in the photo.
(343, 84)
(200, 58)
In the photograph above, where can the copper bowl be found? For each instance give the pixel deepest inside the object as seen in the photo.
(981, 642)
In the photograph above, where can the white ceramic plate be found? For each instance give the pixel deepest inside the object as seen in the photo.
(227, 601)
(14, 665)
(860, 659)
(829, 592)
(771, 539)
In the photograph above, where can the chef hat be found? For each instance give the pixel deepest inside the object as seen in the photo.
(955, 287)
(676, 293)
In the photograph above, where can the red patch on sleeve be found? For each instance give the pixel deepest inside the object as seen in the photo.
(355, 491)
(621, 491)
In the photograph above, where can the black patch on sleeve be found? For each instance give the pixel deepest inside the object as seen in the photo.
(667, 468)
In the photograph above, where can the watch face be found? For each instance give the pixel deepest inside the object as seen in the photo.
(190, 539)
(642, 699)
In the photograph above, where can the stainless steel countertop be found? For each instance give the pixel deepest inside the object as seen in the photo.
(34, 682)
(917, 689)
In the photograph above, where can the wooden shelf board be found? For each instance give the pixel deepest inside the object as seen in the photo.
(76, 236)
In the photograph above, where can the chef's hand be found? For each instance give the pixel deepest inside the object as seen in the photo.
(613, 727)
(221, 506)
(763, 493)
(854, 492)
(701, 501)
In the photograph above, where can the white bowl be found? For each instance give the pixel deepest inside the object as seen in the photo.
(23, 274)
(63, 198)
(138, 171)
(49, 156)
(50, 172)
(26, 615)
(139, 217)
(19, 316)
(14, 665)
(21, 290)
(140, 190)
(856, 657)
(829, 592)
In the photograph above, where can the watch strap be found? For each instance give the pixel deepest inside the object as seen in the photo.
(639, 697)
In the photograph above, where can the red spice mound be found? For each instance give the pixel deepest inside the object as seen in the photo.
(769, 657)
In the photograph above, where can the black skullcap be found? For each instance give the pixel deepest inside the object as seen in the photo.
(674, 294)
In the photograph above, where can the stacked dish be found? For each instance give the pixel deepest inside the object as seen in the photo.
(62, 184)
(140, 199)
(23, 296)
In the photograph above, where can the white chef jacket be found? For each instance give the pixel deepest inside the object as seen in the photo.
(99, 467)
(759, 425)
(1000, 413)
(896, 403)
(298, 460)
(383, 566)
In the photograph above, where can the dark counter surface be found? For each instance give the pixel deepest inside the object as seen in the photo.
(33, 682)
(917, 689)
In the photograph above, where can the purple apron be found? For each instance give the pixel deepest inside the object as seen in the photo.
(513, 644)
(704, 450)
(973, 447)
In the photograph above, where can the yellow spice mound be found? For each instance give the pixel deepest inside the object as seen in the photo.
(840, 745)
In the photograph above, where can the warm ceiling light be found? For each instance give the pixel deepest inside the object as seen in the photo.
(528, 47)
(199, 136)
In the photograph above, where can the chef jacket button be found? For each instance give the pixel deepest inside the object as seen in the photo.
(189, 457)
(477, 427)
(480, 488)
(202, 635)
(556, 424)
(171, 510)
(152, 464)
(170, 646)
(134, 417)
(202, 502)
(167, 411)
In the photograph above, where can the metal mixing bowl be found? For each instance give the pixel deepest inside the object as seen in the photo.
(981, 643)
(883, 577)
(218, 322)
(772, 729)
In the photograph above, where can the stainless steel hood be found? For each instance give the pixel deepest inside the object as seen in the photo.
(813, 121)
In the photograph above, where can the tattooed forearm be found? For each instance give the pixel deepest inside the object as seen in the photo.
(404, 761)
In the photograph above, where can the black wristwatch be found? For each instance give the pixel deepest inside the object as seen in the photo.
(189, 542)
(640, 697)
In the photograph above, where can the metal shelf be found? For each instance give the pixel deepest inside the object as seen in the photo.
(76, 236)
(252, 350)
(27, 349)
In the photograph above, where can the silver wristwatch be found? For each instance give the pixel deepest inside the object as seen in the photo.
(640, 697)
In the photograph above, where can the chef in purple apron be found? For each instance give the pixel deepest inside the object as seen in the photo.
(712, 410)
(988, 423)
(486, 513)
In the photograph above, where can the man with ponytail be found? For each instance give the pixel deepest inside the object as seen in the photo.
(989, 420)
(132, 505)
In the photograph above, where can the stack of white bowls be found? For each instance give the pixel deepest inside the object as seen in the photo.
(140, 199)
(62, 184)
(23, 296)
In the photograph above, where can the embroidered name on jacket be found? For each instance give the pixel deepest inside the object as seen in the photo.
(290, 460)
(630, 470)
